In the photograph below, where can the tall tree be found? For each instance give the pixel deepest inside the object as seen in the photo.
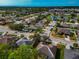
(4, 51)
(24, 52)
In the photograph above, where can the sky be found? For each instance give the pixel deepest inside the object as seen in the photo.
(36, 3)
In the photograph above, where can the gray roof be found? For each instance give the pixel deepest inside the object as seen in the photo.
(71, 54)
(24, 41)
(46, 51)
(64, 30)
(49, 51)
(64, 25)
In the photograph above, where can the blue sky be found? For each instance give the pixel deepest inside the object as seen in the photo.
(39, 3)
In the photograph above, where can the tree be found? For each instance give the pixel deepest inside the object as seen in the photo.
(39, 30)
(36, 40)
(78, 19)
(55, 28)
(51, 29)
(45, 39)
(75, 45)
(40, 17)
(4, 51)
(73, 15)
(24, 52)
(58, 24)
(22, 36)
(18, 27)
(72, 21)
(71, 34)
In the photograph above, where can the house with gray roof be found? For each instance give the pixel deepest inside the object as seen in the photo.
(24, 41)
(48, 51)
(65, 31)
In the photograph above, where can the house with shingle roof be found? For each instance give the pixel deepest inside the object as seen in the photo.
(24, 41)
(48, 51)
(7, 39)
(65, 31)
(2, 21)
(65, 25)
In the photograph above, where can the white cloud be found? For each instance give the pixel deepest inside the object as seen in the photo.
(14, 2)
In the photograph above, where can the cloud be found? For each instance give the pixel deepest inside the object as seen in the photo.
(15, 2)
(4, 1)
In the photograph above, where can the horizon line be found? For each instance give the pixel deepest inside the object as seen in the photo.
(42, 6)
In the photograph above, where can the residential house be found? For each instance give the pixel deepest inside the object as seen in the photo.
(7, 39)
(48, 51)
(65, 31)
(24, 41)
(2, 21)
(65, 25)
